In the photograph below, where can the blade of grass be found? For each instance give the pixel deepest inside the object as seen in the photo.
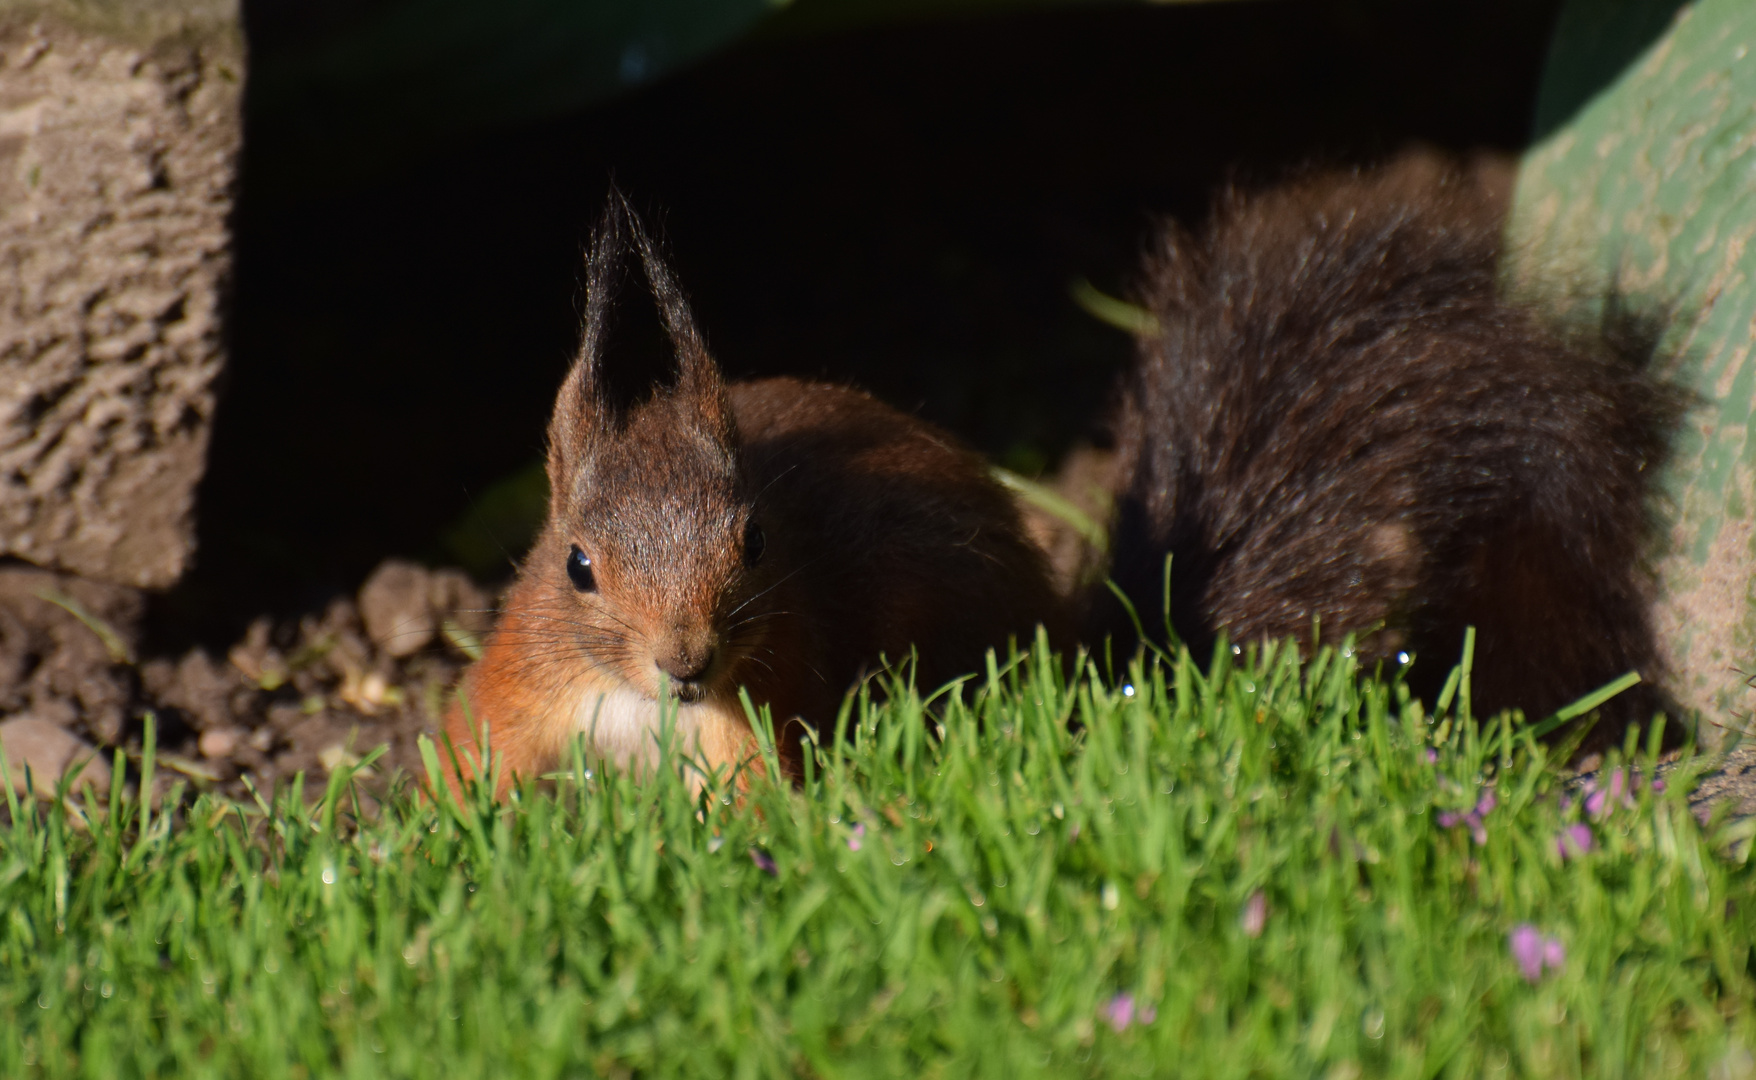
(1587, 703)
(118, 649)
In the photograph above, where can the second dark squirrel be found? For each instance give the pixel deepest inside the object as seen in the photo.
(1341, 424)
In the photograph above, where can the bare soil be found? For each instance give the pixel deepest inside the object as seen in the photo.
(305, 694)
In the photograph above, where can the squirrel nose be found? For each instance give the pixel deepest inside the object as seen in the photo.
(686, 665)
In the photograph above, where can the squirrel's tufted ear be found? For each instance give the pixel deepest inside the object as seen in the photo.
(581, 408)
(697, 374)
(598, 392)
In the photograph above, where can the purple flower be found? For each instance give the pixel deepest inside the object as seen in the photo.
(764, 862)
(1121, 1011)
(1527, 950)
(1574, 840)
(1450, 819)
(1255, 914)
(1603, 793)
(1432, 756)
(1533, 952)
(854, 839)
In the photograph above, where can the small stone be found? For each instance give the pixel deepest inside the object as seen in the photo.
(47, 750)
(394, 604)
(336, 756)
(219, 743)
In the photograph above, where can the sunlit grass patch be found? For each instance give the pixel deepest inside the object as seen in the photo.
(1259, 868)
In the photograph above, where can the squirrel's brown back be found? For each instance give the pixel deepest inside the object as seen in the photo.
(1342, 424)
(896, 538)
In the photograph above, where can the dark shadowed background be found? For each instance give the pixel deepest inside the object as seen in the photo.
(902, 207)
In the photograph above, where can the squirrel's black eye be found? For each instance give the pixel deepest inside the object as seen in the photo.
(754, 542)
(579, 569)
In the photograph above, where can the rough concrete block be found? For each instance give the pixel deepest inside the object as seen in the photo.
(119, 137)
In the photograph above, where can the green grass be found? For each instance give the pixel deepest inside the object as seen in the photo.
(1012, 878)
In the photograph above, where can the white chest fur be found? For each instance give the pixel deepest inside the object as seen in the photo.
(625, 726)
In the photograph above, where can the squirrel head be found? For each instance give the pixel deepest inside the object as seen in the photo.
(652, 546)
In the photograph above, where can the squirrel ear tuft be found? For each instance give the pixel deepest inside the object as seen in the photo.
(581, 407)
(697, 374)
(598, 390)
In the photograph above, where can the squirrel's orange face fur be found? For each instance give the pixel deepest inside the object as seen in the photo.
(650, 519)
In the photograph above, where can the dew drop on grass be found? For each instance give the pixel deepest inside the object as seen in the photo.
(1373, 1023)
(1127, 689)
(1112, 896)
(329, 875)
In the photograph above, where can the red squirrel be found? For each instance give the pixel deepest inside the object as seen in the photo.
(1340, 424)
(780, 536)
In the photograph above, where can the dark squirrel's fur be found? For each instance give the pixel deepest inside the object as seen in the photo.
(1340, 423)
(780, 537)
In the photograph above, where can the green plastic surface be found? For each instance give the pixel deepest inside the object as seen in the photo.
(1643, 180)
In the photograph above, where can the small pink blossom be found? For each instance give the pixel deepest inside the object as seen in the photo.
(1432, 756)
(1478, 831)
(1602, 793)
(854, 838)
(1574, 840)
(1255, 914)
(764, 862)
(1121, 1011)
(1533, 952)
